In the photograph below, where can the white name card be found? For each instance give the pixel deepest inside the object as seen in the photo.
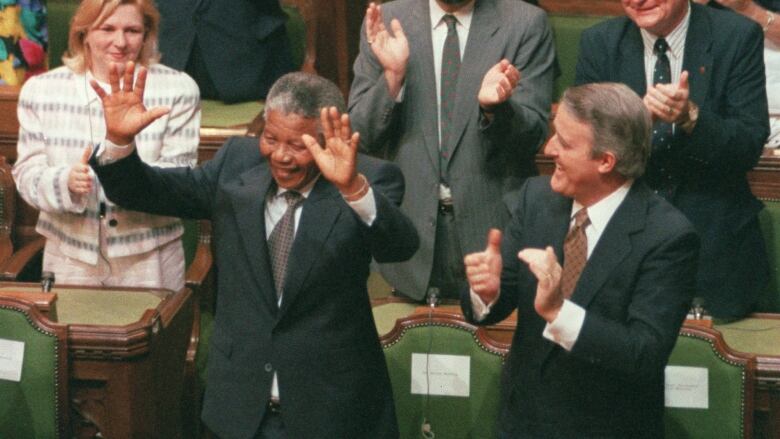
(437, 374)
(11, 356)
(687, 387)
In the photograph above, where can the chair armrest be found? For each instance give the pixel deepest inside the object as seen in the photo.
(201, 264)
(21, 258)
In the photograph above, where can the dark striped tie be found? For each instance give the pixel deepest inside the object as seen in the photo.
(450, 66)
(281, 239)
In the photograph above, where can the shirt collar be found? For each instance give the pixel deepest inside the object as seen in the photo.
(601, 212)
(304, 192)
(675, 39)
(463, 15)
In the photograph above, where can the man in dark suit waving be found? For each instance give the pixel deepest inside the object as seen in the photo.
(593, 334)
(701, 73)
(297, 219)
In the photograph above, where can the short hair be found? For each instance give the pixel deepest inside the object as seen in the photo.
(304, 94)
(620, 122)
(92, 13)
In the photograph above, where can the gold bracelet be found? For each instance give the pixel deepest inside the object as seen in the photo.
(363, 188)
(770, 18)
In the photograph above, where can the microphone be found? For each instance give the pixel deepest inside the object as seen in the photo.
(697, 308)
(433, 297)
(47, 281)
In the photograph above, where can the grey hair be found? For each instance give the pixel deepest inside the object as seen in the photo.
(303, 94)
(620, 122)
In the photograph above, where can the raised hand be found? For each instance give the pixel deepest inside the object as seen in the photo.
(124, 108)
(483, 269)
(498, 84)
(80, 177)
(544, 265)
(669, 102)
(390, 48)
(336, 159)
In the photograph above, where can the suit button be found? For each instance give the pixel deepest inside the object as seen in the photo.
(113, 222)
(268, 367)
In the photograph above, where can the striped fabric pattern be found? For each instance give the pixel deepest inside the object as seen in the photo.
(59, 116)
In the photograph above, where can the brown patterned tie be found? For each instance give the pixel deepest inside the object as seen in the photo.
(281, 239)
(575, 252)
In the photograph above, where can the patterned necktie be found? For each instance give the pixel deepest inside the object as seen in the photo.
(281, 239)
(575, 252)
(662, 74)
(450, 66)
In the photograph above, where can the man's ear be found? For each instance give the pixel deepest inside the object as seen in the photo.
(607, 162)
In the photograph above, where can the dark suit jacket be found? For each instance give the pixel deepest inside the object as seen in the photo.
(243, 42)
(333, 380)
(485, 162)
(707, 169)
(636, 289)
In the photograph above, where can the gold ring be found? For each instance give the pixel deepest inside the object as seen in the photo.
(669, 109)
(370, 42)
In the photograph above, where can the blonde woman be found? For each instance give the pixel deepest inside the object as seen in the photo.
(89, 240)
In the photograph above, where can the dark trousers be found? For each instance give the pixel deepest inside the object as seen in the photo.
(448, 273)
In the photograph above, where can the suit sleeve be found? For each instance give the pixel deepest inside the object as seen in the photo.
(732, 127)
(371, 108)
(521, 123)
(640, 346)
(182, 192)
(589, 59)
(392, 236)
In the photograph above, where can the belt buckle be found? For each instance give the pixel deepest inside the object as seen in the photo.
(446, 206)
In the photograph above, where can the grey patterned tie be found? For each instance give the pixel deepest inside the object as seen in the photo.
(575, 253)
(281, 239)
(450, 67)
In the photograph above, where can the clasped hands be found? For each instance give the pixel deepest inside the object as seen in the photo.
(483, 271)
(670, 102)
(391, 49)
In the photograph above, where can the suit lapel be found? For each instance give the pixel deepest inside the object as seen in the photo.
(249, 204)
(484, 25)
(697, 59)
(613, 246)
(631, 66)
(320, 212)
(417, 26)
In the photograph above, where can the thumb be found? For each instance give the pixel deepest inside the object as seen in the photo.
(494, 241)
(85, 155)
(684, 80)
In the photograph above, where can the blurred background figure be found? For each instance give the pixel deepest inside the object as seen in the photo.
(89, 240)
(234, 49)
(23, 40)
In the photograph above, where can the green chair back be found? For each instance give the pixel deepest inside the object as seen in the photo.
(769, 218)
(36, 406)
(59, 13)
(566, 31)
(729, 412)
(450, 417)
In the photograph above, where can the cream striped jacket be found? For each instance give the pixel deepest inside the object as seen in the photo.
(59, 116)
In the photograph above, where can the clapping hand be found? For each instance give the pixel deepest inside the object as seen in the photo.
(544, 265)
(483, 269)
(669, 102)
(80, 177)
(124, 109)
(498, 84)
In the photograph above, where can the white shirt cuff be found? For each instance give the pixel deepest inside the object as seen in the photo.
(400, 97)
(109, 152)
(565, 329)
(479, 309)
(365, 207)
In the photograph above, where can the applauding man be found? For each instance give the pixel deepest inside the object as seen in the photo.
(457, 93)
(601, 271)
(297, 219)
(701, 73)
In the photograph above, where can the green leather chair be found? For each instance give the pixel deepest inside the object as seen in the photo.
(37, 406)
(729, 412)
(567, 31)
(770, 227)
(450, 417)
